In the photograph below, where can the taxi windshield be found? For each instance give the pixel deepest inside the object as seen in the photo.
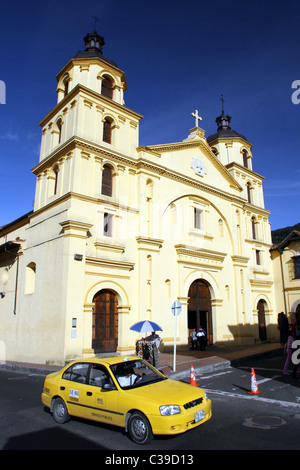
(137, 373)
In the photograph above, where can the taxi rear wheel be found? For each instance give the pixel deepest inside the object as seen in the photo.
(60, 412)
(139, 428)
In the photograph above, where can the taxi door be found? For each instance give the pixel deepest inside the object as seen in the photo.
(103, 404)
(73, 389)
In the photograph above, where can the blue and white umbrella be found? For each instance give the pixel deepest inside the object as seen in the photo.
(145, 326)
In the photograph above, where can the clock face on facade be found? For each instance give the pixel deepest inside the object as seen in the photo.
(198, 166)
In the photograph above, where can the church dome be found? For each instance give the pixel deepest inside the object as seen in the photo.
(224, 130)
(93, 48)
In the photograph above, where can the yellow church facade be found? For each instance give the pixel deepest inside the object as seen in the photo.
(119, 231)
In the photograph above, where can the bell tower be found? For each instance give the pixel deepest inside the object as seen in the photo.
(89, 118)
(233, 150)
(228, 145)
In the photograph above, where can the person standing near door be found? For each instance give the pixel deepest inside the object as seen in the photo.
(201, 338)
(193, 337)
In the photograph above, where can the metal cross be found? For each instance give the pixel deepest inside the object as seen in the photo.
(96, 19)
(197, 117)
(222, 99)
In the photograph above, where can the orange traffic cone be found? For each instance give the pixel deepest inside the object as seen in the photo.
(254, 388)
(193, 378)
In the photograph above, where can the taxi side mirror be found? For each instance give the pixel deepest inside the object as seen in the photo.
(108, 387)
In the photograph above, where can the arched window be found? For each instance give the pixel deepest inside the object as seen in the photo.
(253, 224)
(59, 128)
(66, 86)
(107, 181)
(53, 181)
(249, 193)
(55, 171)
(30, 278)
(245, 158)
(107, 130)
(107, 87)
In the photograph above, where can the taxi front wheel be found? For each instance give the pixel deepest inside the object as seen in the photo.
(60, 412)
(139, 428)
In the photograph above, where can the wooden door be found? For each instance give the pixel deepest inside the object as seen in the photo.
(199, 309)
(105, 322)
(261, 320)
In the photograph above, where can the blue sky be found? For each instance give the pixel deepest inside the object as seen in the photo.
(177, 56)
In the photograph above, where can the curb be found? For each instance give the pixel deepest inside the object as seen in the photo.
(27, 369)
(171, 375)
(222, 364)
(202, 369)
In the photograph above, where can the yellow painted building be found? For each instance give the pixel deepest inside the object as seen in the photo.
(120, 231)
(286, 266)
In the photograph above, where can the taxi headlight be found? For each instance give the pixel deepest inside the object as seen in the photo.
(167, 410)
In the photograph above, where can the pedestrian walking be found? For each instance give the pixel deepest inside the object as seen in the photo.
(288, 351)
(283, 326)
(193, 337)
(201, 337)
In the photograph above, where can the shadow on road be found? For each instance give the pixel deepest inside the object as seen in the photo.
(54, 438)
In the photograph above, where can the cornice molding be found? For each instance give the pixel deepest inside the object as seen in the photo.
(92, 261)
(74, 228)
(200, 256)
(245, 170)
(149, 244)
(76, 142)
(203, 145)
(91, 94)
(81, 197)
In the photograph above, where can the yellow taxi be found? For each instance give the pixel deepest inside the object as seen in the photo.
(126, 392)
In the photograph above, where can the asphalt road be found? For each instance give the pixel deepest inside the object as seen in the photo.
(268, 421)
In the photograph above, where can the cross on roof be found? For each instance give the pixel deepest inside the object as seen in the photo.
(197, 117)
(222, 99)
(96, 19)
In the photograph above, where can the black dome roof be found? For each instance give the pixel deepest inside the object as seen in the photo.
(224, 130)
(93, 48)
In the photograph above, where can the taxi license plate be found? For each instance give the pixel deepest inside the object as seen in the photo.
(199, 415)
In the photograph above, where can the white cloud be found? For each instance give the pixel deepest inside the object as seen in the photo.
(9, 136)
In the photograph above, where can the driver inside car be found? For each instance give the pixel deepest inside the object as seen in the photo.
(127, 377)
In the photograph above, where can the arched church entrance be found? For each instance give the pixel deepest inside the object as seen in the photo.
(105, 322)
(261, 320)
(199, 308)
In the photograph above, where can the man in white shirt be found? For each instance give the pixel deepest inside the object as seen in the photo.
(193, 336)
(128, 379)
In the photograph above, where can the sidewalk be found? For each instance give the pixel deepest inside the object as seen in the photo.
(214, 358)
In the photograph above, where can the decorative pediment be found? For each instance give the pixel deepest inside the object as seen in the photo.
(200, 256)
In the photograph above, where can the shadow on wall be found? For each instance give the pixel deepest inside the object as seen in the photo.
(238, 335)
(251, 334)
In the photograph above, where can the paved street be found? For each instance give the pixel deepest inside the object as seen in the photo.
(269, 420)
